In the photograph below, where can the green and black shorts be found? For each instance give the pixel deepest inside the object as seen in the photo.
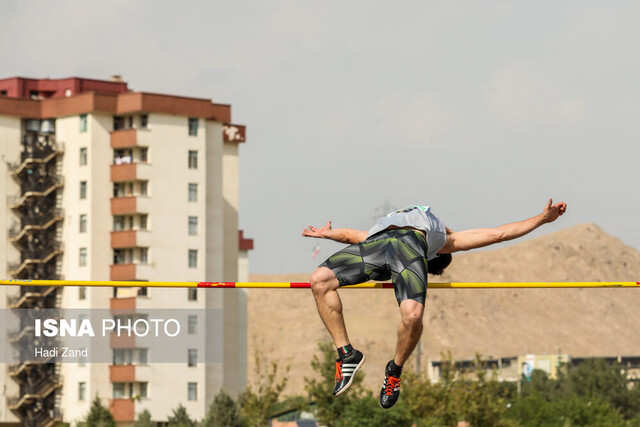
(398, 254)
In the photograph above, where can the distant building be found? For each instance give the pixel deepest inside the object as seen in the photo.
(512, 368)
(102, 183)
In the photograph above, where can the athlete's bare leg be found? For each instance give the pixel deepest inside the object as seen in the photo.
(409, 330)
(324, 285)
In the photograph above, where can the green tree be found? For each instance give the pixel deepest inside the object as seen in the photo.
(459, 396)
(328, 409)
(180, 418)
(144, 419)
(535, 410)
(593, 380)
(366, 412)
(597, 378)
(99, 416)
(223, 412)
(541, 383)
(259, 399)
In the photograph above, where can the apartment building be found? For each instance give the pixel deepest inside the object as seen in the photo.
(103, 183)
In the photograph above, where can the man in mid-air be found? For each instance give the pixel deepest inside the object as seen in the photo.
(403, 246)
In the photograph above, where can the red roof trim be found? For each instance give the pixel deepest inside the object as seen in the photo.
(244, 244)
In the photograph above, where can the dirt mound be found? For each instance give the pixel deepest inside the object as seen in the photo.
(499, 322)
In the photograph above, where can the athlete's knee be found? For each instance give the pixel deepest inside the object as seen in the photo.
(411, 312)
(323, 280)
(412, 321)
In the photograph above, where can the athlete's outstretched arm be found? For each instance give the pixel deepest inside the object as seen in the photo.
(480, 237)
(342, 235)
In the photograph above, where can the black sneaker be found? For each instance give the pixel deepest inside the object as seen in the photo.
(345, 370)
(390, 390)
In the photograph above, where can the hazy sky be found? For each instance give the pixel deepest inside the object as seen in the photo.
(482, 110)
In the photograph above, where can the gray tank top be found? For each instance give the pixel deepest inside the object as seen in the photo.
(421, 218)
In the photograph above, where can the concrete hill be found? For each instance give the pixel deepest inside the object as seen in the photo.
(499, 322)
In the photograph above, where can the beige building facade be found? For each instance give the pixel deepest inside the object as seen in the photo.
(106, 184)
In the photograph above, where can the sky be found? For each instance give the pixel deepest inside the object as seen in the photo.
(482, 110)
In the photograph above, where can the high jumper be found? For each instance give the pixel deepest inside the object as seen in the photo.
(402, 246)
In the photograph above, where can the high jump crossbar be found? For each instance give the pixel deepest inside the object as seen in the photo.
(279, 285)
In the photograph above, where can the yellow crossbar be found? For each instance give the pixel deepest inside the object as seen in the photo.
(497, 285)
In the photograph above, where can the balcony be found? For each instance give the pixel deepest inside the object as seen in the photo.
(126, 138)
(121, 304)
(130, 239)
(130, 205)
(123, 340)
(123, 239)
(122, 409)
(121, 272)
(122, 373)
(130, 172)
(125, 272)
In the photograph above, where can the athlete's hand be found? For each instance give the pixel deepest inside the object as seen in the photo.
(552, 212)
(317, 232)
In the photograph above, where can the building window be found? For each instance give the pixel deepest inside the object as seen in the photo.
(83, 223)
(83, 257)
(118, 390)
(83, 123)
(143, 221)
(193, 325)
(143, 291)
(192, 391)
(83, 190)
(193, 258)
(193, 192)
(118, 256)
(82, 391)
(142, 355)
(82, 292)
(83, 156)
(144, 121)
(144, 255)
(193, 357)
(118, 223)
(118, 356)
(3, 93)
(119, 189)
(143, 188)
(122, 256)
(193, 225)
(122, 157)
(118, 123)
(192, 294)
(143, 389)
(128, 356)
(193, 159)
(193, 126)
(144, 155)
